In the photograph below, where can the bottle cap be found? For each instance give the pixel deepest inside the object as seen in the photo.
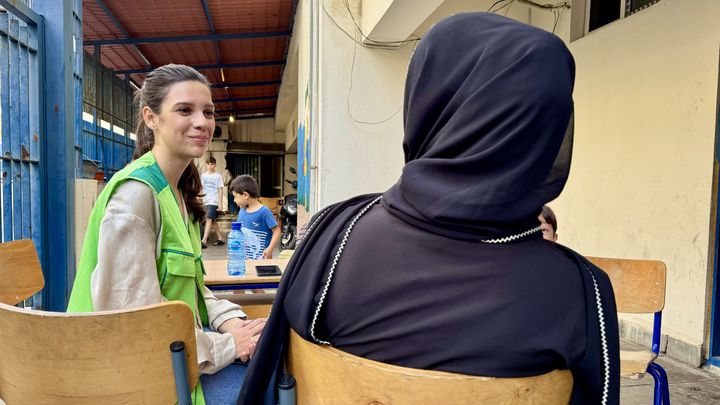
(237, 226)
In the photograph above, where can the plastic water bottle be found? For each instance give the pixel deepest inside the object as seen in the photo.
(236, 250)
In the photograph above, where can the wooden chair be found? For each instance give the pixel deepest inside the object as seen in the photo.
(639, 287)
(114, 357)
(20, 272)
(326, 375)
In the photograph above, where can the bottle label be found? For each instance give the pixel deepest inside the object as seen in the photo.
(234, 245)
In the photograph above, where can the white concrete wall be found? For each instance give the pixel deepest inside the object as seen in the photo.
(261, 130)
(288, 93)
(290, 133)
(302, 31)
(291, 157)
(355, 157)
(641, 177)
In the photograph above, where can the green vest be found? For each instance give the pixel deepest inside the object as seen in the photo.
(179, 267)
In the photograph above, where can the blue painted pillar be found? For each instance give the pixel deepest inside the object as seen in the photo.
(57, 149)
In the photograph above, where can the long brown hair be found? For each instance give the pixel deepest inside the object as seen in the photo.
(154, 89)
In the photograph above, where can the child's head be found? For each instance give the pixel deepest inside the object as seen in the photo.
(244, 189)
(210, 163)
(548, 224)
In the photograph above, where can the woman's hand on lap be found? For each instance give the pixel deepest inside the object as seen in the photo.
(246, 335)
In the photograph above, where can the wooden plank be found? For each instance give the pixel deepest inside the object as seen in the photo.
(639, 284)
(114, 357)
(20, 273)
(254, 305)
(86, 193)
(328, 376)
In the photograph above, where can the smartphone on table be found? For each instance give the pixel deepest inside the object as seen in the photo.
(268, 270)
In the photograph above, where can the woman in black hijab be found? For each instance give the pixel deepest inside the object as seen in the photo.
(447, 270)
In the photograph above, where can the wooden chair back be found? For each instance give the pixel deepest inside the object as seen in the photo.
(639, 285)
(114, 357)
(326, 375)
(20, 272)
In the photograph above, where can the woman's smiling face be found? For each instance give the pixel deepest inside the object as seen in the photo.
(186, 120)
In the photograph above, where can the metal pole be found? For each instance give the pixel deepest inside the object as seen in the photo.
(180, 372)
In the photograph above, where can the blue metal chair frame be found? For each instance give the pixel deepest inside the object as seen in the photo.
(661, 391)
(180, 372)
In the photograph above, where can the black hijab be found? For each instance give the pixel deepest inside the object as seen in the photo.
(487, 104)
(488, 140)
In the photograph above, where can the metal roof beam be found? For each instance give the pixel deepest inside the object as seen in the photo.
(208, 15)
(213, 66)
(238, 99)
(186, 38)
(246, 110)
(119, 26)
(247, 117)
(248, 84)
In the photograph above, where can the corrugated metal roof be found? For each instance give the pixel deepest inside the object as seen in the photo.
(132, 22)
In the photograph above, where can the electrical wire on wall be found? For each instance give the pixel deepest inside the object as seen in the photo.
(366, 43)
(492, 8)
(556, 14)
(555, 8)
(546, 6)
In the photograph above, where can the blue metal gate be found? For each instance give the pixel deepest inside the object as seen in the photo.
(21, 112)
(107, 118)
(40, 116)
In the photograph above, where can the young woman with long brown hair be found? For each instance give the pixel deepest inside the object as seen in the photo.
(143, 241)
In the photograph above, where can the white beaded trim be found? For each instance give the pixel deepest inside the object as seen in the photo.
(332, 270)
(603, 341)
(512, 237)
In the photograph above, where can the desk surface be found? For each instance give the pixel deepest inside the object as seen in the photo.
(216, 272)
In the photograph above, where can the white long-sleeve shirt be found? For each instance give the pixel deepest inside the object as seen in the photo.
(126, 275)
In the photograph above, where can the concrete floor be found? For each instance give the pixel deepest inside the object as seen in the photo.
(688, 385)
(214, 252)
